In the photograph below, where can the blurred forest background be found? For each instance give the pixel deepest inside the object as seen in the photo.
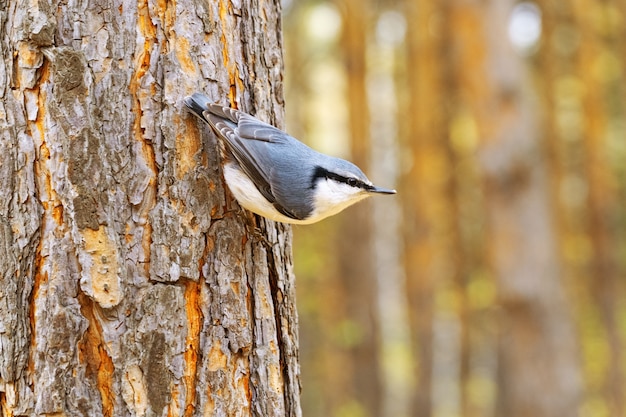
(493, 284)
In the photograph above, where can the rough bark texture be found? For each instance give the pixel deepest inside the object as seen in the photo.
(131, 283)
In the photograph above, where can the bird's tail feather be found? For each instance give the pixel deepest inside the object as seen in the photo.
(212, 113)
(198, 104)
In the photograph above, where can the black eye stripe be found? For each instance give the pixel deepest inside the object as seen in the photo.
(324, 173)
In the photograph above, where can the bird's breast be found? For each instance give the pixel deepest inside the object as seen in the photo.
(250, 198)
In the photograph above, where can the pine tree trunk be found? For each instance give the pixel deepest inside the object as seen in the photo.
(130, 281)
(538, 362)
(424, 184)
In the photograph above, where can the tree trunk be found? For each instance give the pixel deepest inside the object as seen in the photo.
(132, 283)
(423, 190)
(539, 372)
(603, 203)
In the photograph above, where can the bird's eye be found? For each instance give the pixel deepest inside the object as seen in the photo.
(352, 182)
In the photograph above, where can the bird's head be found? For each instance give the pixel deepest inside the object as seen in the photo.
(338, 185)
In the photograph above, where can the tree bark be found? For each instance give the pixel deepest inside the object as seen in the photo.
(132, 283)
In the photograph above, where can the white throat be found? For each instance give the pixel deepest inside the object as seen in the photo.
(331, 197)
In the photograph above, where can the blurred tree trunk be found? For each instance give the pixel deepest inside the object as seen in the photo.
(538, 364)
(461, 245)
(599, 96)
(595, 268)
(130, 284)
(562, 84)
(356, 269)
(424, 186)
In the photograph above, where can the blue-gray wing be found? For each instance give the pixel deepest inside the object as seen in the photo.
(261, 151)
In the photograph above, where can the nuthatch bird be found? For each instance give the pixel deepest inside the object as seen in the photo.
(275, 175)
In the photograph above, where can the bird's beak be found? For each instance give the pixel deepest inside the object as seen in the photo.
(379, 190)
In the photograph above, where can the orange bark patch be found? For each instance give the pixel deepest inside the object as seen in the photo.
(41, 171)
(40, 277)
(147, 28)
(174, 402)
(233, 73)
(210, 244)
(183, 56)
(6, 409)
(275, 378)
(105, 283)
(209, 407)
(236, 83)
(244, 385)
(128, 236)
(57, 214)
(170, 14)
(235, 287)
(29, 56)
(223, 12)
(217, 358)
(192, 343)
(266, 306)
(93, 353)
(142, 64)
(166, 10)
